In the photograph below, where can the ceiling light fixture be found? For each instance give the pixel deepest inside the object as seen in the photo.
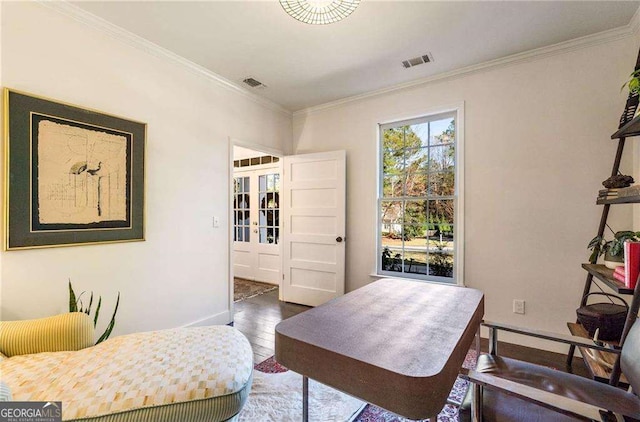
(319, 12)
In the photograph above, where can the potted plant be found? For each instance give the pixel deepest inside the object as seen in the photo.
(613, 250)
(76, 305)
(390, 262)
(633, 83)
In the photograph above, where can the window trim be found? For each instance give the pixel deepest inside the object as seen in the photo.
(430, 115)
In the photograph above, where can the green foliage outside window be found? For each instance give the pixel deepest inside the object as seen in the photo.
(418, 186)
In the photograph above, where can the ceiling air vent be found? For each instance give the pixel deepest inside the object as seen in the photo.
(417, 60)
(254, 83)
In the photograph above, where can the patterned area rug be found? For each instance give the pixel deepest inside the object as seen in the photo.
(277, 397)
(245, 289)
(372, 413)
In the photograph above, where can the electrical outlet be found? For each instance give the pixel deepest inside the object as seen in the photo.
(518, 306)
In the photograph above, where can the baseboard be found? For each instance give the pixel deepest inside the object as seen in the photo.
(217, 319)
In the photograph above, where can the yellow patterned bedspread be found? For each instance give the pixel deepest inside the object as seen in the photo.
(136, 372)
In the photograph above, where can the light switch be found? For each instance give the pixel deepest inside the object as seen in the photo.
(216, 222)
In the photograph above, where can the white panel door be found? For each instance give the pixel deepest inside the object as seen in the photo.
(313, 243)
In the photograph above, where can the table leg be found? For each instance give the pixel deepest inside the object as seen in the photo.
(478, 344)
(493, 341)
(305, 399)
(476, 403)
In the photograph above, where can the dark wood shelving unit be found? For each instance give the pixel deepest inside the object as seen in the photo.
(599, 274)
(630, 129)
(623, 200)
(605, 275)
(597, 371)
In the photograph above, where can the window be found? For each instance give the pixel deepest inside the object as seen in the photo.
(417, 198)
(269, 194)
(241, 211)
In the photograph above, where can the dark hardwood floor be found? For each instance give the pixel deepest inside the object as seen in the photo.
(257, 317)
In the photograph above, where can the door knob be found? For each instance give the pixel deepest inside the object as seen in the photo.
(255, 230)
(339, 239)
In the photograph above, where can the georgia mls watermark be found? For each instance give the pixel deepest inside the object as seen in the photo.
(30, 411)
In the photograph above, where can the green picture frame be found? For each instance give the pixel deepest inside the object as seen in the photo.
(73, 176)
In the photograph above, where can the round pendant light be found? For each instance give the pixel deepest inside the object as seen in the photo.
(319, 12)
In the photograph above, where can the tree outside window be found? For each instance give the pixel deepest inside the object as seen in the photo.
(417, 198)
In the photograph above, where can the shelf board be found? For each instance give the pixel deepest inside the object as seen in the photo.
(622, 200)
(598, 371)
(605, 275)
(632, 128)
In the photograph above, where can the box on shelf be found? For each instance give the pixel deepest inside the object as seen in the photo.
(632, 263)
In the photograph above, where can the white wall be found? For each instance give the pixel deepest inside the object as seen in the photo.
(1, 114)
(179, 275)
(537, 138)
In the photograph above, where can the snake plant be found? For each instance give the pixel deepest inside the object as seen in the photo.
(76, 305)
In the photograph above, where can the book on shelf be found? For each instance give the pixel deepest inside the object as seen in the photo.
(606, 198)
(607, 193)
(620, 270)
(632, 263)
(620, 277)
(629, 191)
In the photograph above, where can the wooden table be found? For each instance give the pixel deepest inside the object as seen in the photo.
(395, 343)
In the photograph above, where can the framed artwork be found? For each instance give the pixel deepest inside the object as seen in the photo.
(73, 176)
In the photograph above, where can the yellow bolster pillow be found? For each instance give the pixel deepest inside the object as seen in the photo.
(72, 331)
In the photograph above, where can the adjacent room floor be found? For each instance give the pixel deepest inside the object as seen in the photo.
(245, 289)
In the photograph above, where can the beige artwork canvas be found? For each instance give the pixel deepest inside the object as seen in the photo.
(82, 175)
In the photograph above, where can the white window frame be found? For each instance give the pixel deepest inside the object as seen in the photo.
(458, 268)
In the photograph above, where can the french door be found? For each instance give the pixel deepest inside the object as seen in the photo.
(256, 231)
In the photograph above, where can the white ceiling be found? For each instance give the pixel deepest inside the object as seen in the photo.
(307, 65)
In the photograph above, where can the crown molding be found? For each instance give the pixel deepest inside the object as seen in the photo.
(89, 19)
(632, 28)
(147, 46)
(634, 24)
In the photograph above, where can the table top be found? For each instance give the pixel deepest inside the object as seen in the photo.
(395, 343)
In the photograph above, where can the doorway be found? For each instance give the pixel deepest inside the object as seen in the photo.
(288, 222)
(257, 258)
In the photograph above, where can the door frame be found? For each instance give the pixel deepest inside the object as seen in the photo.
(232, 142)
